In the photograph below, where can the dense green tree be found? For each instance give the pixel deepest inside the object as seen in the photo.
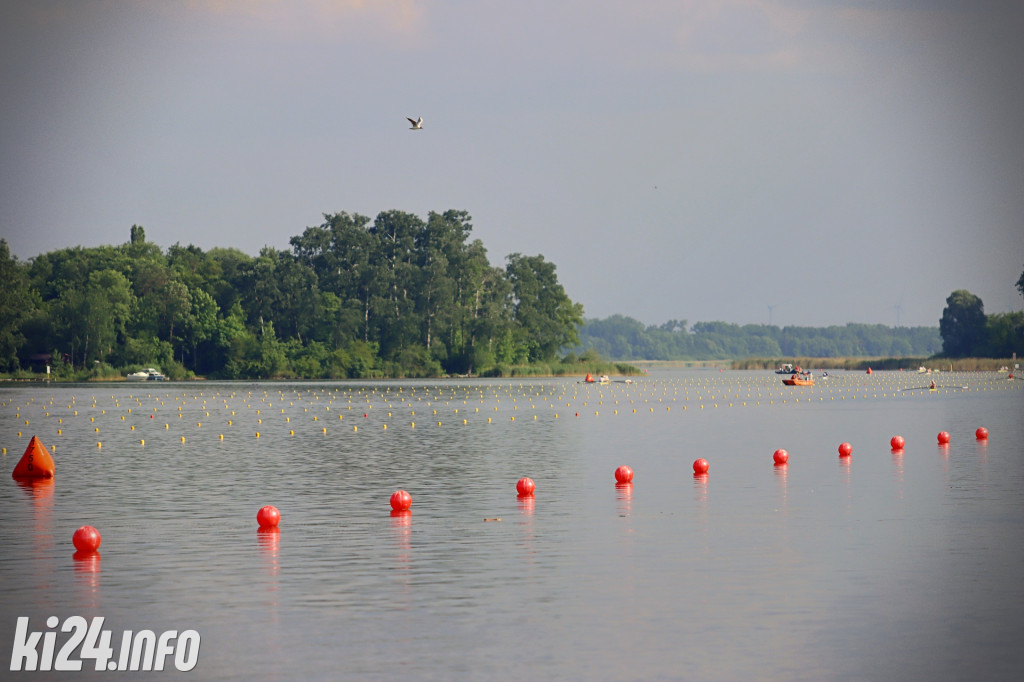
(201, 328)
(353, 297)
(340, 252)
(175, 306)
(396, 280)
(488, 311)
(226, 271)
(110, 303)
(1004, 335)
(962, 325)
(546, 320)
(18, 303)
(93, 318)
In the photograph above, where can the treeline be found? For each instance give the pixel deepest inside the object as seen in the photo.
(968, 332)
(624, 338)
(395, 296)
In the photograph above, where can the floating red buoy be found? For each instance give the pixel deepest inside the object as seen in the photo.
(268, 516)
(845, 449)
(525, 486)
(401, 500)
(780, 456)
(943, 437)
(981, 433)
(700, 466)
(86, 539)
(869, 370)
(35, 463)
(897, 442)
(623, 474)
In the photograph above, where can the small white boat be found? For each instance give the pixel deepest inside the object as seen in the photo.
(149, 374)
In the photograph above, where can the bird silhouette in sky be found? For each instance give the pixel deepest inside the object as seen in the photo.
(417, 124)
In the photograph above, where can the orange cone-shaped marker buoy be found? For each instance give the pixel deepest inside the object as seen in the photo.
(35, 463)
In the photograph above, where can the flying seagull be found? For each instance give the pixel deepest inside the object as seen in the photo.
(417, 124)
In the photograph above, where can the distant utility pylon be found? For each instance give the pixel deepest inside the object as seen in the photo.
(899, 309)
(771, 307)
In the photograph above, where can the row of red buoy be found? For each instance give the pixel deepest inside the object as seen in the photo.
(897, 442)
(87, 539)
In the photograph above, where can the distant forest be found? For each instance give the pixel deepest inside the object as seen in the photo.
(395, 296)
(624, 338)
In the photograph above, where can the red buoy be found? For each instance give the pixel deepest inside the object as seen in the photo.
(525, 486)
(700, 466)
(981, 433)
(943, 437)
(780, 456)
(86, 539)
(268, 516)
(869, 370)
(623, 474)
(401, 500)
(897, 442)
(845, 449)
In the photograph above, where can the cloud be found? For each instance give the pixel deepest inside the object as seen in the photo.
(402, 18)
(738, 35)
(400, 23)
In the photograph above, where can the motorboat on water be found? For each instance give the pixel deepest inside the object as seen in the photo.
(799, 380)
(787, 369)
(148, 374)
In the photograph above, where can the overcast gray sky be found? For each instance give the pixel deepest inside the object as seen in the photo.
(698, 160)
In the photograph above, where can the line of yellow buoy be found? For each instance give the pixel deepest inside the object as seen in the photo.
(731, 390)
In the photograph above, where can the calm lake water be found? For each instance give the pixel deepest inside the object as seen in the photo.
(883, 566)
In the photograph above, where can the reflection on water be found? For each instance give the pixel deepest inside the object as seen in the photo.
(87, 578)
(624, 496)
(918, 548)
(782, 478)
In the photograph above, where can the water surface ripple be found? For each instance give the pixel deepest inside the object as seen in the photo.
(889, 565)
